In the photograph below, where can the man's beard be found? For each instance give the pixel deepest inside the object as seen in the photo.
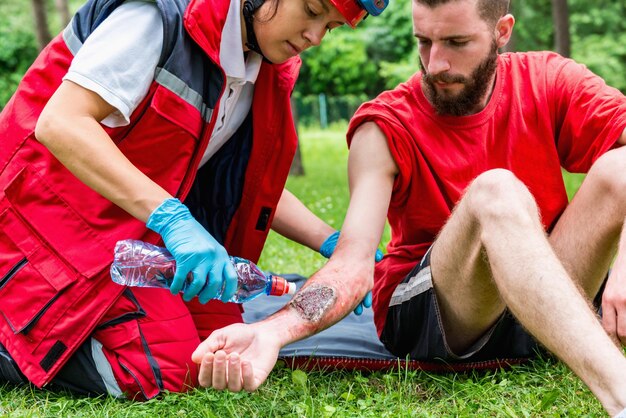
(468, 99)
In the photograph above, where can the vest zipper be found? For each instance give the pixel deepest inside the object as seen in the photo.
(20, 264)
(26, 329)
(205, 135)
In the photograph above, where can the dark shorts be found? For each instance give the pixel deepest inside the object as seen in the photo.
(413, 327)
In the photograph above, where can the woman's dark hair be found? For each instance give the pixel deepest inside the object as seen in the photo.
(273, 12)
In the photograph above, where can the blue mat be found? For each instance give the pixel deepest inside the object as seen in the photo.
(354, 336)
(351, 344)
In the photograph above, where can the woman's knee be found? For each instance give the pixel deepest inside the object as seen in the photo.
(155, 368)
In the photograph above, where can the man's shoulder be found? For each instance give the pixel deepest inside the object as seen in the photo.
(391, 107)
(535, 62)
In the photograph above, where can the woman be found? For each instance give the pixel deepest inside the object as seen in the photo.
(137, 107)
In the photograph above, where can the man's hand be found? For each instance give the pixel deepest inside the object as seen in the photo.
(614, 304)
(236, 357)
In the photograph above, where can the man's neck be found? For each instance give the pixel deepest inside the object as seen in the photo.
(485, 101)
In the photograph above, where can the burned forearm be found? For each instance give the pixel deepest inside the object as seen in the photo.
(313, 303)
(313, 309)
(340, 285)
(327, 297)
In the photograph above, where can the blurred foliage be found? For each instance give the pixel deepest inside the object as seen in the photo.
(17, 52)
(382, 52)
(18, 48)
(338, 108)
(347, 55)
(598, 37)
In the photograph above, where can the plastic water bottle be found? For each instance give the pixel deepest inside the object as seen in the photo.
(141, 264)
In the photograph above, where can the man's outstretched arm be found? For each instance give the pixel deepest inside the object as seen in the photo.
(241, 356)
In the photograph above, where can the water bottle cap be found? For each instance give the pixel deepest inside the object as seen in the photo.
(291, 288)
(280, 287)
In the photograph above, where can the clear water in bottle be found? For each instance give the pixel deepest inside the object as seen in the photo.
(141, 264)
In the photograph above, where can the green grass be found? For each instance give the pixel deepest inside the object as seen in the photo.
(541, 388)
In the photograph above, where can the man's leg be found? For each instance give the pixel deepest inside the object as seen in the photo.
(585, 237)
(493, 253)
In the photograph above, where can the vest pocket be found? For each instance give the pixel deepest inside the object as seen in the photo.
(38, 216)
(44, 248)
(25, 292)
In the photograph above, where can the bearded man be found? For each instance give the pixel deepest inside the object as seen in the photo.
(488, 260)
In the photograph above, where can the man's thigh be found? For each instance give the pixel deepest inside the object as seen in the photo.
(414, 327)
(494, 227)
(585, 236)
(468, 300)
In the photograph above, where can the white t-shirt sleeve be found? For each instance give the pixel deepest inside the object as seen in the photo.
(118, 60)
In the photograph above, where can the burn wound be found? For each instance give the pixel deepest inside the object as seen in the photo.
(313, 302)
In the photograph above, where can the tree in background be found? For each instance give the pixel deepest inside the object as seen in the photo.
(598, 31)
(18, 46)
(560, 16)
(349, 61)
(297, 168)
(41, 23)
(358, 64)
(63, 9)
(339, 66)
(40, 13)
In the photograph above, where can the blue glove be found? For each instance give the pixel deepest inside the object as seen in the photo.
(365, 303)
(327, 249)
(198, 255)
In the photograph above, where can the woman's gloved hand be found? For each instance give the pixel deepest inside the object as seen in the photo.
(198, 255)
(327, 249)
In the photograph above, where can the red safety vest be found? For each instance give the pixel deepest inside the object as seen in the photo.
(57, 235)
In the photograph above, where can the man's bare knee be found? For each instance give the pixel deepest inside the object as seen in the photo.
(606, 176)
(497, 195)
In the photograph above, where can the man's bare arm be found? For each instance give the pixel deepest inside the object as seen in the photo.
(241, 356)
(339, 286)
